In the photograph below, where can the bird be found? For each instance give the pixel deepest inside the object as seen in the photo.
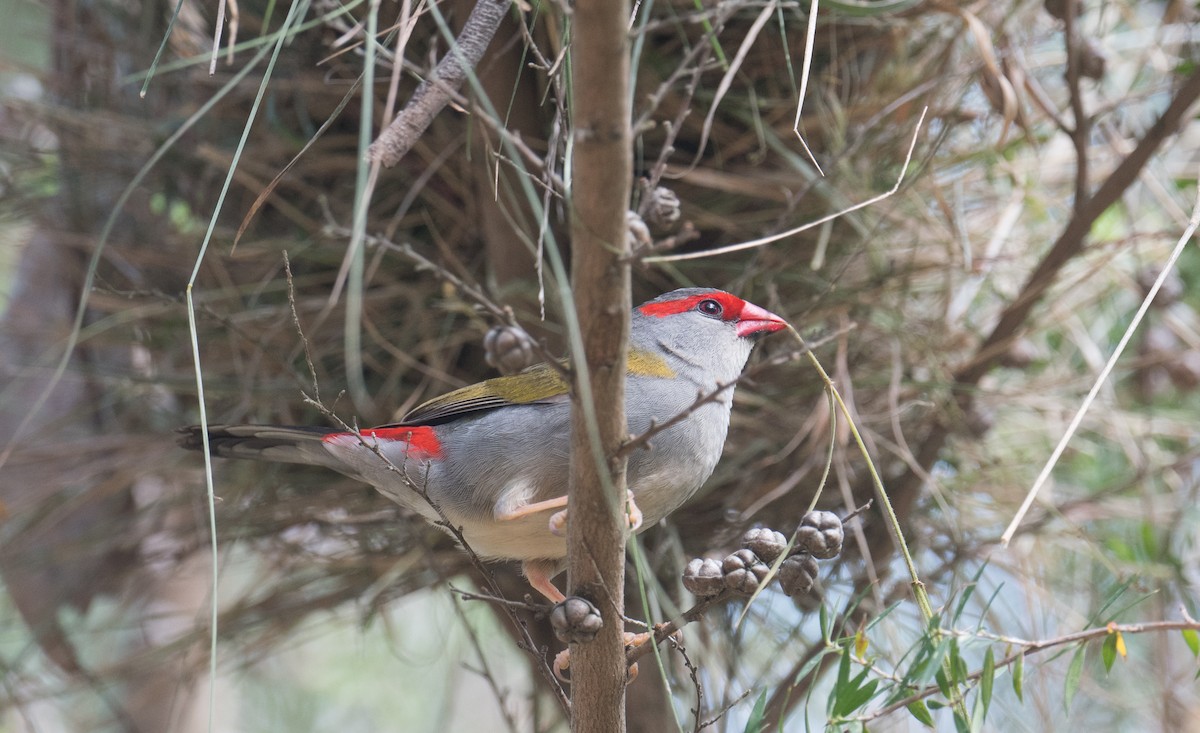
(492, 458)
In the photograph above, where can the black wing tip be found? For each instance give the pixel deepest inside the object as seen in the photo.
(190, 437)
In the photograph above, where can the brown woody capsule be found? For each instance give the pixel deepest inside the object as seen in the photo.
(1092, 61)
(764, 542)
(508, 349)
(575, 620)
(797, 574)
(744, 571)
(664, 210)
(820, 535)
(703, 578)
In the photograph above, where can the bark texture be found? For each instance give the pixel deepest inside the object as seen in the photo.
(600, 277)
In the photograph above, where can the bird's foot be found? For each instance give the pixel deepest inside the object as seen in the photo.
(633, 515)
(562, 660)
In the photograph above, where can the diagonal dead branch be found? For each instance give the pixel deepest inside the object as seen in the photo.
(435, 92)
(1070, 242)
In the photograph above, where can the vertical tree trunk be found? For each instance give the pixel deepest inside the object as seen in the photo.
(600, 278)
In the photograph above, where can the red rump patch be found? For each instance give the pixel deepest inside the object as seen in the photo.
(731, 304)
(422, 441)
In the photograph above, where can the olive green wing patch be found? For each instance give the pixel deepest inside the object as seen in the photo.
(536, 385)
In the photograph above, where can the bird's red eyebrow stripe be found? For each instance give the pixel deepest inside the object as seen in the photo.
(422, 440)
(732, 304)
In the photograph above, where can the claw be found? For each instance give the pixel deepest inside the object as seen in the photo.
(558, 523)
(562, 660)
(633, 515)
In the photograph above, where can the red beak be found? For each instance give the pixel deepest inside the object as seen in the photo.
(754, 320)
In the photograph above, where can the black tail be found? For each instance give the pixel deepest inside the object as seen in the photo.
(277, 443)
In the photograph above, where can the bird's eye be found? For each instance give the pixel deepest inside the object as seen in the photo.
(710, 307)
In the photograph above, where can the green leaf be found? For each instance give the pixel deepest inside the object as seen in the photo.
(961, 724)
(921, 713)
(1192, 639)
(757, 721)
(943, 683)
(841, 685)
(1018, 677)
(962, 603)
(961, 671)
(811, 664)
(986, 678)
(855, 697)
(1074, 673)
(1108, 651)
(978, 713)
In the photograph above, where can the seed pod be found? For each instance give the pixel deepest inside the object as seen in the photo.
(744, 571)
(764, 542)
(703, 578)
(509, 349)
(663, 211)
(575, 620)
(797, 574)
(820, 535)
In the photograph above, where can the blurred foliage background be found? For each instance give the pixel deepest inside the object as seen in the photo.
(963, 318)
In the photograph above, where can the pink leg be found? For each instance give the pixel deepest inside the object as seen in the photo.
(557, 502)
(633, 515)
(538, 573)
(562, 660)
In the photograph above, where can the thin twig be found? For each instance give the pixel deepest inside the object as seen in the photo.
(803, 227)
(1033, 647)
(434, 93)
(1193, 223)
(1082, 131)
(502, 314)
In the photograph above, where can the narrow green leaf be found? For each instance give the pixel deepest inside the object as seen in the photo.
(841, 685)
(811, 664)
(1108, 651)
(942, 682)
(843, 675)
(871, 624)
(1018, 677)
(961, 724)
(962, 603)
(1192, 639)
(1074, 672)
(978, 713)
(961, 671)
(756, 722)
(921, 713)
(986, 678)
(855, 697)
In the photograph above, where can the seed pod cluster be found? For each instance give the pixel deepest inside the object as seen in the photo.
(819, 537)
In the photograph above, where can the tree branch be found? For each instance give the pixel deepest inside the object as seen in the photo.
(435, 92)
(1070, 242)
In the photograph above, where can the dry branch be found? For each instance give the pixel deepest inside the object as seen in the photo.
(435, 92)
